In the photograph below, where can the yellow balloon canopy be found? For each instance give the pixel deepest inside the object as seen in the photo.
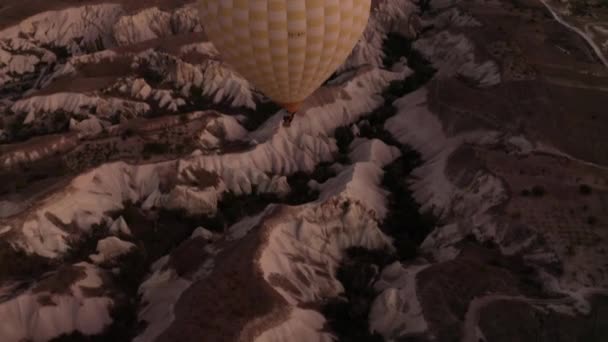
(285, 48)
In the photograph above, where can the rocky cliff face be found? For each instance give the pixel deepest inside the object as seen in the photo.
(448, 181)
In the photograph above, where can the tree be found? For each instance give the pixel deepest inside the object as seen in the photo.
(579, 7)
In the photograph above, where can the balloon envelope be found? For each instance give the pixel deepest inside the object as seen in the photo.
(285, 48)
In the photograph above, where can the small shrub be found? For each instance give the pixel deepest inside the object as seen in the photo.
(406, 248)
(17, 265)
(263, 111)
(61, 118)
(323, 172)
(183, 118)
(86, 245)
(155, 148)
(300, 191)
(127, 133)
(579, 7)
(347, 316)
(16, 126)
(538, 191)
(570, 250)
(344, 136)
(180, 148)
(584, 189)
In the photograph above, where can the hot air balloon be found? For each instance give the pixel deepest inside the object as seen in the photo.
(285, 48)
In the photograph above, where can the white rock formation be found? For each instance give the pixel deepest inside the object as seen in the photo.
(387, 17)
(220, 130)
(91, 23)
(87, 127)
(19, 57)
(119, 226)
(396, 311)
(110, 248)
(147, 24)
(454, 54)
(40, 315)
(185, 19)
(79, 103)
(212, 78)
(374, 150)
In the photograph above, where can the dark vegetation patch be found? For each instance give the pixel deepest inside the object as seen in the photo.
(60, 280)
(18, 266)
(298, 182)
(348, 315)
(586, 7)
(263, 111)
(404, 222)
(535, 191)
(20, 177)
(344, 137)
(584, 189)
(372, 126)
(154, 148)
(322, 172)
(48, 123)
(61, 52)
(150, 73)
(397, 46)
(80, 249)
(90, 154)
